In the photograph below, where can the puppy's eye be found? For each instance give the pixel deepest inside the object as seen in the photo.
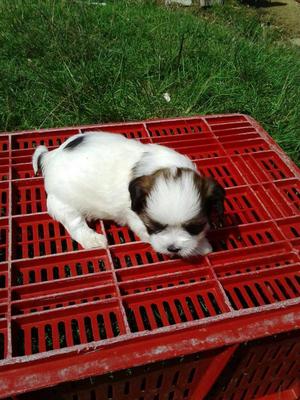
(194, 229)
(155, 227)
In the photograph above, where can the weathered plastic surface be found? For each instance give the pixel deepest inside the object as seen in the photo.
(67, 313)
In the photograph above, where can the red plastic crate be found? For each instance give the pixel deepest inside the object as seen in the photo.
(129, 323)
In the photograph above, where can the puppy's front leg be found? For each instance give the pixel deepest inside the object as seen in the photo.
(75, 224)
(137, 226)
(204, 247)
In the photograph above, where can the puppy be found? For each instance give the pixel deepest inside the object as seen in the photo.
(154, 190)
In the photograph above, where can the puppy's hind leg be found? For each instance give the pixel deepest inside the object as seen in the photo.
(75, 224)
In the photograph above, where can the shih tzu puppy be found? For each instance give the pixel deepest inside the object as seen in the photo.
(154, 190)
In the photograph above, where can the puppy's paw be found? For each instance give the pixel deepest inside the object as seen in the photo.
(204, 247)
(92, 240)
(121, 222)
(144, 236)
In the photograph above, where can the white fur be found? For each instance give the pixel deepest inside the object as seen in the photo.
(156, 157)
(174, 201)
(91, 181)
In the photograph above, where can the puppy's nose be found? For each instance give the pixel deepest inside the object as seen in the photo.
(173, 249)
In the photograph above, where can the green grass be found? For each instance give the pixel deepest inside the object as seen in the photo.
(71, 62)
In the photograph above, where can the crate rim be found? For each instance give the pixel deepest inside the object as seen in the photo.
(200, 339)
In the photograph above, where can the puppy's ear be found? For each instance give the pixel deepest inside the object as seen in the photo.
(139, 189)
(213, 196)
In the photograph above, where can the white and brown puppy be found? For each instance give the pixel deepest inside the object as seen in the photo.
(154, 190)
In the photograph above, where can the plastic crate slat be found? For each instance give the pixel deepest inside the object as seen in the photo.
(245, 236)
(50, 288)
(200, 152)
(22, 171)
(222, 170)
(22, 156)
(134, 255)
(273, 165)
(28, 230)
(3, 276)
(162, 269)
(239, 137)
(65, 299)
(3, 299)
(290, 190)
(264, 288)
(4, 240)
(230, 125)
(60, 267)
(3, 339)
(119, 234)
(131, 131)
(4, 143)
(3, 307)
(242, 207)
(227, 118)
(32, 140)
(296, 244)
(290, 227)
(276, 204)
(56, 298)
(74, 328)
(254, 265)
(245, 146)
(190, 303)
(4, 172)
(160, 282)
(66, 314)
(4, 157)
(265, 166)
(29, 196)
(188, 140)
(5, 200)
(194, 148)
(174, 128)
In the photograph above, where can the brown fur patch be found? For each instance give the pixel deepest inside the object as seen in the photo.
(212, 195)
(139, 189)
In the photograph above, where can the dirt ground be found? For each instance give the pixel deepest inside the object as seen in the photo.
(286, 13)
(283, 13)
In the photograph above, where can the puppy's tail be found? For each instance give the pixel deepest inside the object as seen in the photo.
(37, 159)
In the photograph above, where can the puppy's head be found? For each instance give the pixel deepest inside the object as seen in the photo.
(177, 207)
